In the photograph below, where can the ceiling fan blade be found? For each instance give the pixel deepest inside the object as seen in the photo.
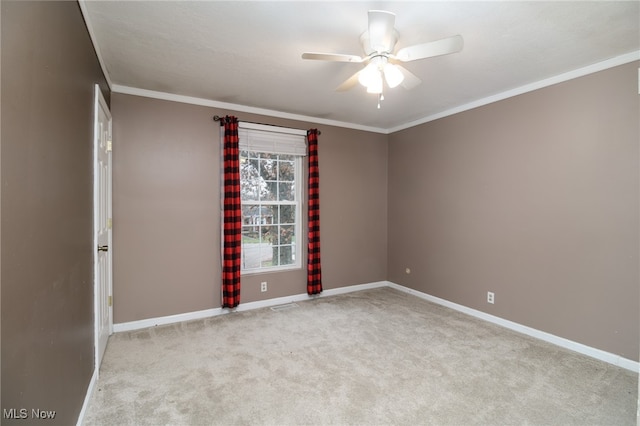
(381, 30)
(428, 50)
(349, 83)
(334, 57)
(410, 80)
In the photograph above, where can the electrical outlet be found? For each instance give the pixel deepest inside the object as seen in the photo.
(490, 297)
(263, 286)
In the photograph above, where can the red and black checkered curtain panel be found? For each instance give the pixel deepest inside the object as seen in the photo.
(232, 215)
(314, 271)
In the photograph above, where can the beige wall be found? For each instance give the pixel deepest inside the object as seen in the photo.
(534, 198)
(166, 209)
(49, 69)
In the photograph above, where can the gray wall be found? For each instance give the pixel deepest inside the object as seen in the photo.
(166, 209)
(49, 69)
(534, 198)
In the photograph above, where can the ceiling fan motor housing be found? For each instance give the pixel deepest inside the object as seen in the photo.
(369, 51)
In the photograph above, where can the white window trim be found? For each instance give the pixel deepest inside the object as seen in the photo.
(284, 133)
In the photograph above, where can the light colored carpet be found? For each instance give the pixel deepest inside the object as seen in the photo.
(372, 357)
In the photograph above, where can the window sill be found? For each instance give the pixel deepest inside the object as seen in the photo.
(271, 270)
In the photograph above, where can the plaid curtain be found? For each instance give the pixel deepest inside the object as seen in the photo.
(314, 274)
(232, 215)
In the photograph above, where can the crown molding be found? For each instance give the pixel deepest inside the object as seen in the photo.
(570, 75)
(116, 88)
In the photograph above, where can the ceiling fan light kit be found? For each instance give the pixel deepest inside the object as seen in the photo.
(371, 76)
(378, 43)
(392, 75)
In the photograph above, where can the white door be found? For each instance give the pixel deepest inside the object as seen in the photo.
(102, 225)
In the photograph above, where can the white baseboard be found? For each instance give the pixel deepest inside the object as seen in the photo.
(87, 397)
(304, 296)
(547, 337)
(207, 313)
(169, 319)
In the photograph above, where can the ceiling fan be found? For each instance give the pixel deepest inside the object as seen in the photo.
(378, 43)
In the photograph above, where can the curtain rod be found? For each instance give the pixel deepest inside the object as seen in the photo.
(218, 118)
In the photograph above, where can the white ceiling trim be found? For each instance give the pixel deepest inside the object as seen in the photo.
(581, 72)
(116, 88)
(108, 21)
(87, 21)
(600, 66)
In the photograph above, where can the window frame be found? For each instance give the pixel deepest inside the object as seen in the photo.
(298, 201)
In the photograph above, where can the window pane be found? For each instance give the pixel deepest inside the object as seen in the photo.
(286, 234)
(249, 211)
(287, 255)
(287, 192)
(266, 245)
(268, 169)
(273, 261)
(250, 234)
(267, 234)
(286, 171)
(250, 248)
(287, 214)
(268, 215)
(270, 192)
(248, 192)
(250, 180)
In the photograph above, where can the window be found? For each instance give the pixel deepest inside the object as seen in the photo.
(270, 190)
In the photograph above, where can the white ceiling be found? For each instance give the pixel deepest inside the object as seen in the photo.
(248, 53)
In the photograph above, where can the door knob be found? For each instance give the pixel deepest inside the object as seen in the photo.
(103, 248)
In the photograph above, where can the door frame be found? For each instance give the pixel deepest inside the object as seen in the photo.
(100, 102)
